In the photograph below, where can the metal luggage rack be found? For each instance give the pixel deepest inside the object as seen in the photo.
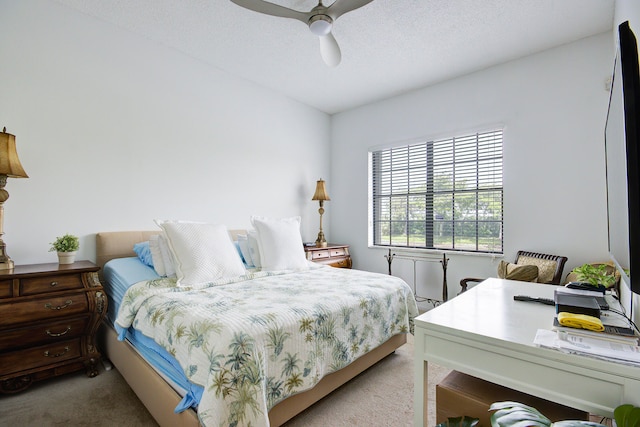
(424, 258)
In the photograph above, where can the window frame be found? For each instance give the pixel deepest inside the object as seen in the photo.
(495, 248)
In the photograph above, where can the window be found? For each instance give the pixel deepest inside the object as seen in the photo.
(445, 194)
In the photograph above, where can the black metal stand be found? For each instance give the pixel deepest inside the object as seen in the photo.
(424, 258)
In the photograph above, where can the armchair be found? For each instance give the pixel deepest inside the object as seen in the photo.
(549, 269)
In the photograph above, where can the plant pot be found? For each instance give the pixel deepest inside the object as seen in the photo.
(66, 257)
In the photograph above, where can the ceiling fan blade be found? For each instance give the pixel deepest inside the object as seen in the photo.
(272, 9)
(340, 7)
(330, 50)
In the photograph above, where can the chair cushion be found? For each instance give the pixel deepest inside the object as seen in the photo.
(525, 273)
(546, 268)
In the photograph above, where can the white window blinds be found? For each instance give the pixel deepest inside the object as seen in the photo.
(442, 194)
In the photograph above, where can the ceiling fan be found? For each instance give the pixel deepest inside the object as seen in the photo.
(320, 20)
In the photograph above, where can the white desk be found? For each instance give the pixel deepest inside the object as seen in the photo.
(485, 333)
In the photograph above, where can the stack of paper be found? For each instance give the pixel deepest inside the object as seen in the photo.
(611, 350)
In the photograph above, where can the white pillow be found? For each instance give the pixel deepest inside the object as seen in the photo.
(280, 243)
(202, 252)
(156, 256)
(243, 242)
(167, 257)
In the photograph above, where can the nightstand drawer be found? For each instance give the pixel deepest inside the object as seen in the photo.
(43, 308)
(43, 333)
(338, 252)
(334, 255)
(323, 254)
(36, 357)
(39, 285)
(342, 263)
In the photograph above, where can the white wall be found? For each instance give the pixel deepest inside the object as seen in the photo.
(115, 130)
(553, 107)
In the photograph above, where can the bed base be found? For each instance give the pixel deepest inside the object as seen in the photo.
(160, 398)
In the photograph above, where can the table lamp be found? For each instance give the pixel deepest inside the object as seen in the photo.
(9, 167)
(321, 195)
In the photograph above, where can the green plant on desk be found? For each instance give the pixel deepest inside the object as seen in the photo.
(595, 275)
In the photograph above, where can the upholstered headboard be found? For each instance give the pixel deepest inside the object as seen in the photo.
(119, 244)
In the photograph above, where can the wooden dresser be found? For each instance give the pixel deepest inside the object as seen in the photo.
(334, 255)
(49, 314)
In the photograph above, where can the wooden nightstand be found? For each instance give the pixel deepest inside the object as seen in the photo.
(49, 315)
(334, 255)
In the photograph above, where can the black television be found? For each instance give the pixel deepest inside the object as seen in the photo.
(623, 162)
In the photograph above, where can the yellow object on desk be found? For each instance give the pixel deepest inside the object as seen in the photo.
(580, 321)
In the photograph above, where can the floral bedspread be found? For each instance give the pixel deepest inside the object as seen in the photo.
(255, 340)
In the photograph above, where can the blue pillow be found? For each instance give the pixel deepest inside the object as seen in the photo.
(237, 245)
(144, 253)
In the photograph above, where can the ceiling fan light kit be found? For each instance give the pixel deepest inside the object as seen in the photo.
(320, 25)
(320, 20)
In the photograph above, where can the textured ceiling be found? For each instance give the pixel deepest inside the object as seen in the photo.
(388, 46)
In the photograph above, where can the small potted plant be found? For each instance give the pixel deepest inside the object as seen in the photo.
(66, 246)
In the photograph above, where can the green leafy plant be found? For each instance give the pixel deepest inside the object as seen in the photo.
(66, 243)
(598, 274)
(627, 416)
(459, 422)
(514, 414)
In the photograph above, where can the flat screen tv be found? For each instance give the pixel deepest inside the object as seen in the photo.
(623, 161)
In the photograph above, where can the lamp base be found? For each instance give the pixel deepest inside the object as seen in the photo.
(6, 264)
(321, 241)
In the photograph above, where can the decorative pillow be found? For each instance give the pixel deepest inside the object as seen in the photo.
(280, 243)
(156, 255)
(546, 268)
(525, 273)
(144, 253)
(243, 243)
(254, 248)
(202, 252)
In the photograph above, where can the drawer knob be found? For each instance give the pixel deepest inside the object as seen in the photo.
(67, 303)
(58, 334)
(54, 283)
(47, 354)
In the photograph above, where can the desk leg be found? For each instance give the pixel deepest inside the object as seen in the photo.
(420, 386)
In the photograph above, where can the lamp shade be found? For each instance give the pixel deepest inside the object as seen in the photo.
(9, 161)
(321, 191)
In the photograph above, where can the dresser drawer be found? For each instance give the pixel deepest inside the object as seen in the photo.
(6, 288)
(47, 331)
(61, 282)
(49, 307)
(36, 357)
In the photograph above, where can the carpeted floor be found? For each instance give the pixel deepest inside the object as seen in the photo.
(381, 396)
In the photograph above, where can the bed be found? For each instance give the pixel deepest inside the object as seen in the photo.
(159, 392)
